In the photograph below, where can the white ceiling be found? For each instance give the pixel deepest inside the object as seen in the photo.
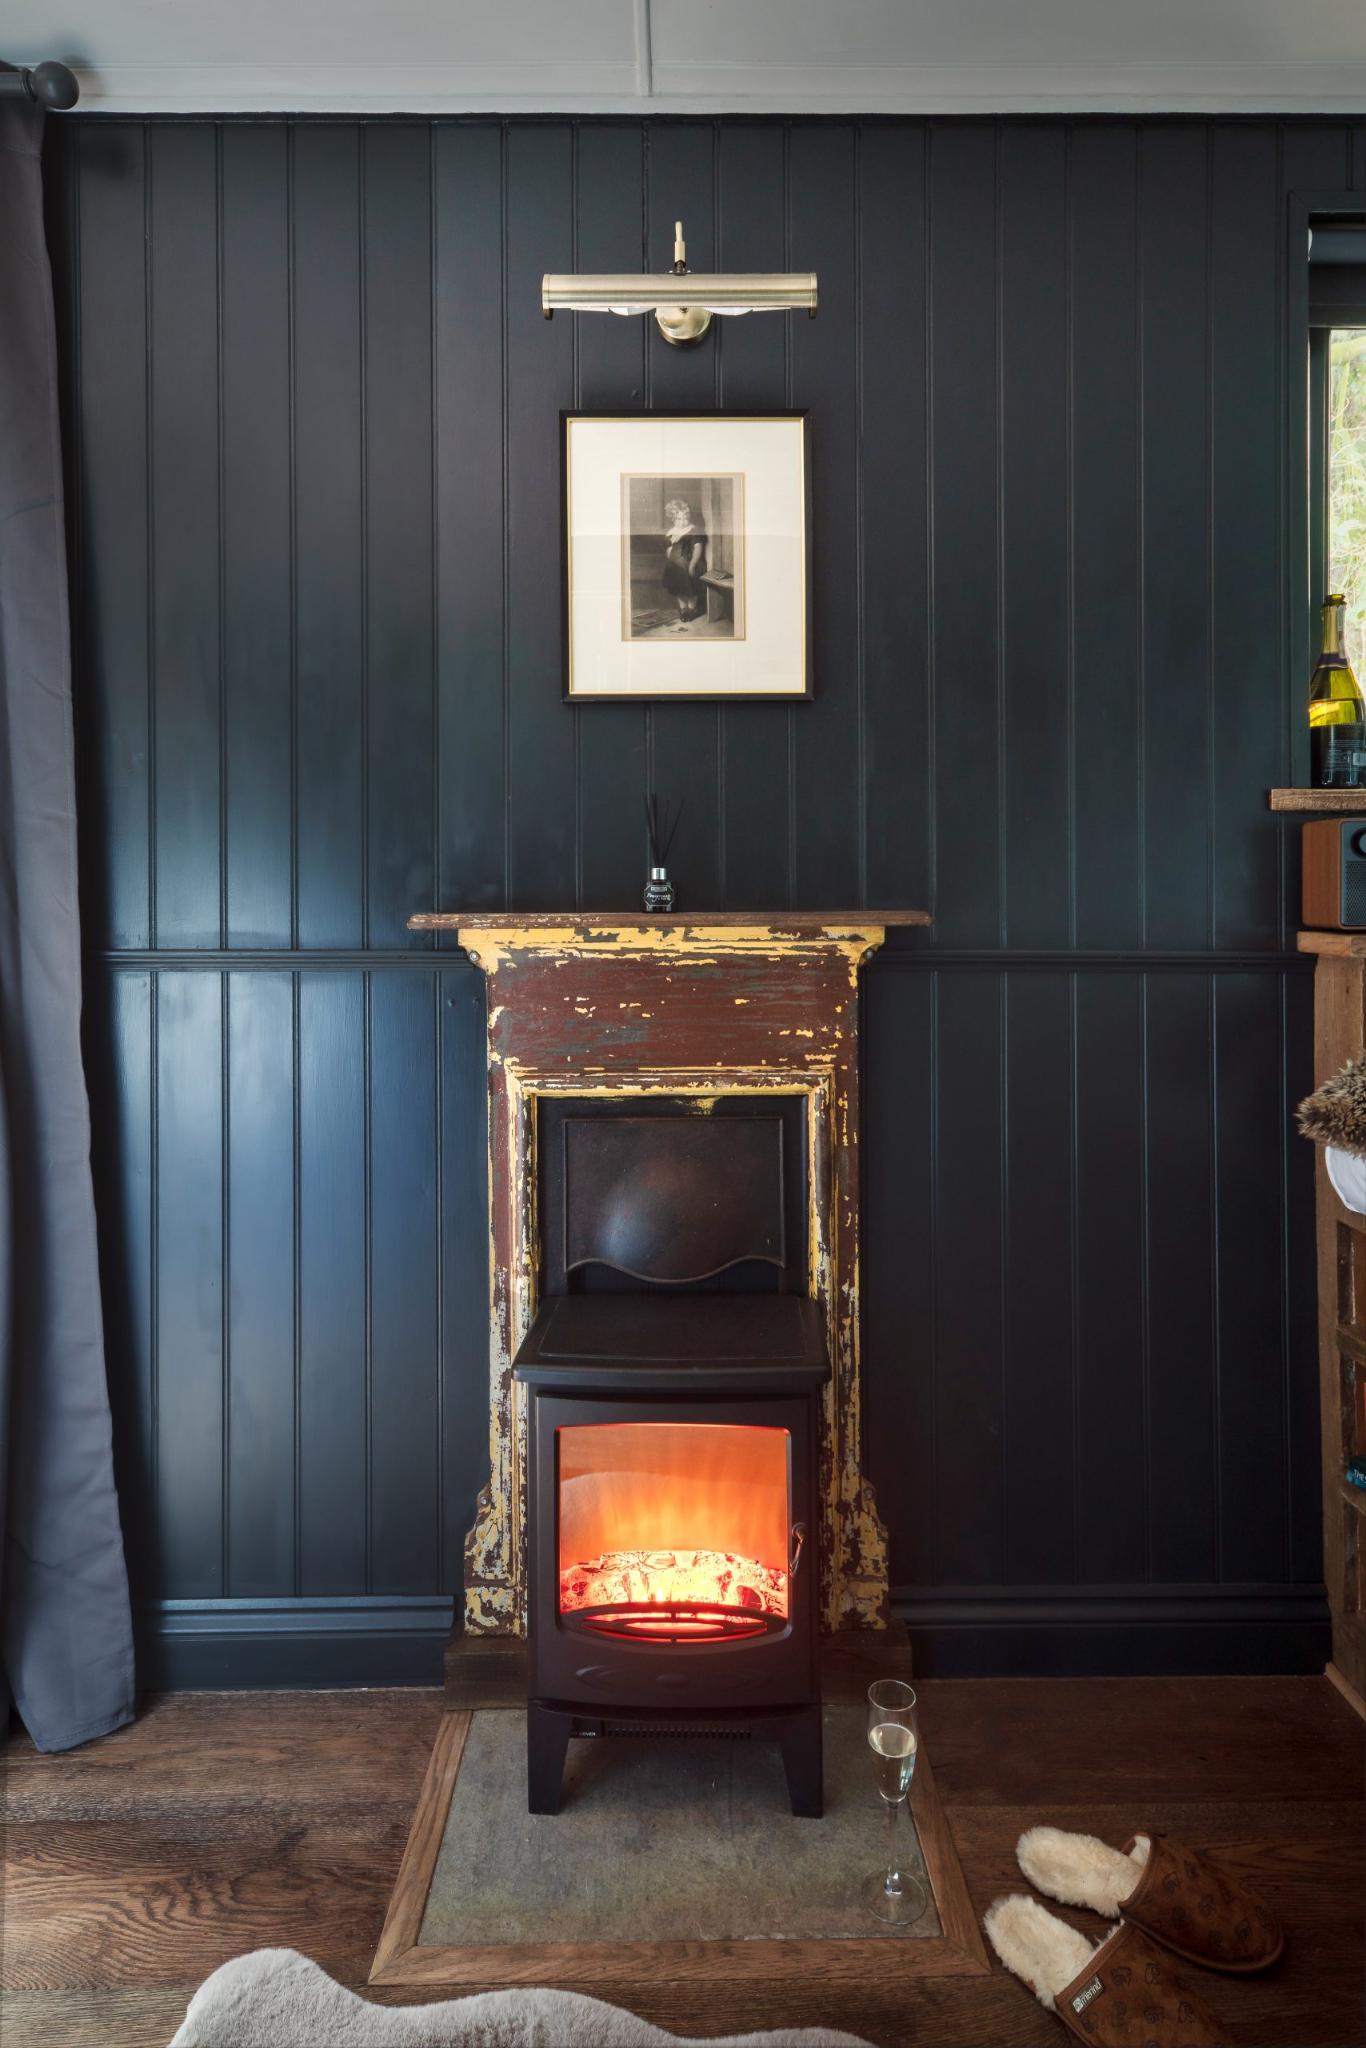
(706, 56)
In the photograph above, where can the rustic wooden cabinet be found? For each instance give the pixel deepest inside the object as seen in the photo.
(1340, 1035)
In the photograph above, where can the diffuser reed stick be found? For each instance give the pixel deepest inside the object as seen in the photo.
(661, 823)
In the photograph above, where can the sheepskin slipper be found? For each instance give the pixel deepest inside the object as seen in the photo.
(1122, 1994)
(1173, 1893)
(276, 1998)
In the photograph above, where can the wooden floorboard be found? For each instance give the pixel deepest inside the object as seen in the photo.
(223, 1822)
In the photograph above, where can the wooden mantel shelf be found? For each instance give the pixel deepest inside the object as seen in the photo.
(1342, 945)
(794, 922)
(1343, 800)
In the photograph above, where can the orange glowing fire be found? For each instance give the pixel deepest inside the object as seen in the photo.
(674, 1530)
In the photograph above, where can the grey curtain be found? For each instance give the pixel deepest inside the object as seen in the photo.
(65, 1631)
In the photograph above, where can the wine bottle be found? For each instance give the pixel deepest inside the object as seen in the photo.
(1337, 710)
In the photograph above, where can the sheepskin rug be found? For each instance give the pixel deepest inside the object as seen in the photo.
(276, 1998)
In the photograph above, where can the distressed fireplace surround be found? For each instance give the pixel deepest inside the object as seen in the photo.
(626, 1005)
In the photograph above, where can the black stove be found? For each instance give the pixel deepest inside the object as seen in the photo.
(673, 1437)
(674, 1524)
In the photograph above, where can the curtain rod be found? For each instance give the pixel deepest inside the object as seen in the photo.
(47, 85)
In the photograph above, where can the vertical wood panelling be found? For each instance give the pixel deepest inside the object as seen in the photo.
(1037, 730)
(333, 1284)
(405, 1444)
(1039, 1430)
(824, 174)
(1111, 1333)
(1104, 468)
(329, 549)
(1184, 1479)
(183, 456)
(1243, 651)
(1248, 1208)
(1179, 843)
(191, 1391)
(539, 228)
(469, 402)
(611, 779)
(898, 732)
(314, 451)
(969, 1355)
(258, 738)
(965, 512)
(399, 709)
(260, 1416)
(684, 744)
(757, 817)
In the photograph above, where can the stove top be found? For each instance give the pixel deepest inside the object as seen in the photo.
(676, 1342)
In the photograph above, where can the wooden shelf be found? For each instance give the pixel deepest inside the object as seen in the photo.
(794, 921)
(1342, 801)
(1339, 1034)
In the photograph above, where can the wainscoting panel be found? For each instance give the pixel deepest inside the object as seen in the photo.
(292, 1195)
(312, 421)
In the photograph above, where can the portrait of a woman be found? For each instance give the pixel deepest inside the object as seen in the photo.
(685, 561)
(682, 551)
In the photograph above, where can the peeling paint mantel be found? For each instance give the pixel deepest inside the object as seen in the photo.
(621, 1003)
(601, 927)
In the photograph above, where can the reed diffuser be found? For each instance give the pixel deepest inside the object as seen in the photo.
(661, 822)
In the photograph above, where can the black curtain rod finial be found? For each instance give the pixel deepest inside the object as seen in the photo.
(48, 85)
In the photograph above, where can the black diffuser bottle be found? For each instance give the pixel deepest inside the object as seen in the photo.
(661, 822)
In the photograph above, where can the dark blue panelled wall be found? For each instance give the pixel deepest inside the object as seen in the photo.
(312, 421)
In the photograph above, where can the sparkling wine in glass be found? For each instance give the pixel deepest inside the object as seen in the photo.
(893, 1738)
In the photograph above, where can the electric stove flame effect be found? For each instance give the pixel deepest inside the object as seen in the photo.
(674, 1532)
(676, 1594)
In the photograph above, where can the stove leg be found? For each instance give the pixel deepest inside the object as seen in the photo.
(547, 1743)
(800, 1737)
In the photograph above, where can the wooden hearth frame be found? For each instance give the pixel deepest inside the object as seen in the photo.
(595, 1005)
(600, 1968)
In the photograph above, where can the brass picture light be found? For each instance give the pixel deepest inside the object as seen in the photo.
(681, 300)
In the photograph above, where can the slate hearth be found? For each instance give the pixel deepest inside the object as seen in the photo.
(677, 1841)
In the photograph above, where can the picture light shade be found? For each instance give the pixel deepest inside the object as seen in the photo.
(682, 301)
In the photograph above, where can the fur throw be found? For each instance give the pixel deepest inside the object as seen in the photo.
(276, 1998)
(1336, 1113)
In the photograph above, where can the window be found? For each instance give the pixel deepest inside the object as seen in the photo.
(1337, 440)
(1346, 480)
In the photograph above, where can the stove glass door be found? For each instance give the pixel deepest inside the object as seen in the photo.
(674, 1532)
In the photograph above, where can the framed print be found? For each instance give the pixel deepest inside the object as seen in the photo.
(685, 556)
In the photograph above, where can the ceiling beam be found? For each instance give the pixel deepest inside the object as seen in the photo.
(644, 40)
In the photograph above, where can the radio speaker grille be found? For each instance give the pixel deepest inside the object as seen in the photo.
(1353, 881)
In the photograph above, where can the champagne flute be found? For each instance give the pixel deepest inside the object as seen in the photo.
(893, 1738)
